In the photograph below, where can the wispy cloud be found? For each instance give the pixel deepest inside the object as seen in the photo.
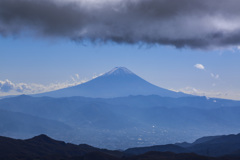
(97, 75)
(193, 23)
(77, 76)
(210, 93)
(216, 76)
(199, 66)
(9, 88)
(202, 67)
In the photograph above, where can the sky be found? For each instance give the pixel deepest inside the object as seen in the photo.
(182, 45)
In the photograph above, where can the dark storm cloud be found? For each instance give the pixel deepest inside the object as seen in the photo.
(182, 23)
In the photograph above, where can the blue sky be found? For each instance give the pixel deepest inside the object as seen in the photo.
(45, 61)
(51, 44)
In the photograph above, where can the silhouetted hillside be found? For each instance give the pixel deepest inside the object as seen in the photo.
(44, 148)
(160, 148)
(218, 146)
(213, 146)
(174, 156)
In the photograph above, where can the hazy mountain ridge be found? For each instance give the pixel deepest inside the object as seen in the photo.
(144, 120)
(21, 125)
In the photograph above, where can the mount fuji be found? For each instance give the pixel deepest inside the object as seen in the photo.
(119, 82)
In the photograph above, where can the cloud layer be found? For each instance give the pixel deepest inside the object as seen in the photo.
(8, 88)
(182, 23)
(210, 93)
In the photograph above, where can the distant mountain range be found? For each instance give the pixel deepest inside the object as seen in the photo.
(43, 147)
(119, 123)
(119, 82)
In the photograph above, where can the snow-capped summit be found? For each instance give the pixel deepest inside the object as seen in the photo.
(119, 71)
(119, 82)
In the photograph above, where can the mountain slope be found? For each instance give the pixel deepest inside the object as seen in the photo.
(118, 82)
(213, 146)
(43, 147)
(160, 148)
(132, 121)
(16, 124)
(217, 146)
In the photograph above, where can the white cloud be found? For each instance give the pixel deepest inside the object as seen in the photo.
(192, 90)
(21, 87)
(95, 75)
(216, 76)
(210, 93)
(73, 79)
(6, 86)
(9, 88)
(77, 75)
(199, 66)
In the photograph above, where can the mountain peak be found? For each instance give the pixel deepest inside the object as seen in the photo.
(44, 139)
(119, 82)
(119, 71)
(41, 138)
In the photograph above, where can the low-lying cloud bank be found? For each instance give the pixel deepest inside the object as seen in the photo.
(9, 88)
(182, 23)
(209, 93)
